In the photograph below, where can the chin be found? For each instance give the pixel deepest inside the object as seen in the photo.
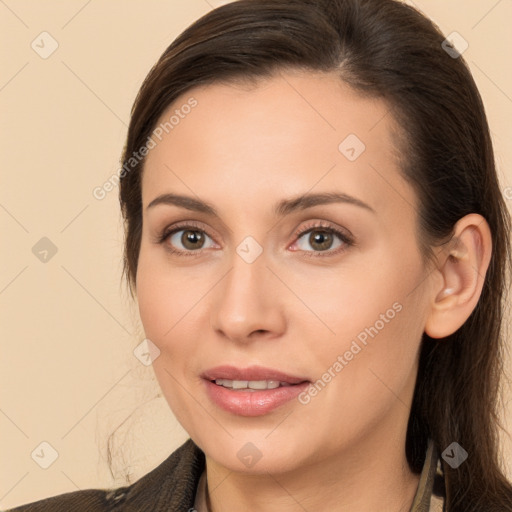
(253, 454)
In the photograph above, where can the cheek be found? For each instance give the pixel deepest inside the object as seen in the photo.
(165, 310)
(159, 307)
(361, 300)
(367, 374)
(153, 303)
(164, 296)
(172, 302)
(376, 326)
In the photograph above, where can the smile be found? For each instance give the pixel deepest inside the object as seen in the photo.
(250, 385)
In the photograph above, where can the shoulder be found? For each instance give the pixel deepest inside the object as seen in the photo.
(170, 486)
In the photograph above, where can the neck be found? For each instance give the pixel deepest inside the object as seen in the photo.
(370, 475)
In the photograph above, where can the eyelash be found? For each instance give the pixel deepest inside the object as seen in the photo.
(347, 240)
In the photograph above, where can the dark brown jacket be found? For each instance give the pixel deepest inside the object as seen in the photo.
(171, 487)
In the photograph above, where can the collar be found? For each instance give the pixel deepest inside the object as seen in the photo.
(430, 493)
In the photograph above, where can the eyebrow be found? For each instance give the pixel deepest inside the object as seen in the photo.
(282, 208)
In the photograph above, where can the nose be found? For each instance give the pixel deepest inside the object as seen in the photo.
(247, 303)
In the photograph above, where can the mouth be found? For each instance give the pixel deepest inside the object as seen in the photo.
(251, 391)
(250, 385)
(253, 377)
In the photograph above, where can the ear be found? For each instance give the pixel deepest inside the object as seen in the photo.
(462, 267)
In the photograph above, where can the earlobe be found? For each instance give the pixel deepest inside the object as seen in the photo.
(462, 265)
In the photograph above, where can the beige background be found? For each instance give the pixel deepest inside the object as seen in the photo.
(68, 373)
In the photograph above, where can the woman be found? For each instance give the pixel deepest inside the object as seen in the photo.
(318, 246)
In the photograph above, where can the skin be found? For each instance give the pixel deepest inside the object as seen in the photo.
(242, 149)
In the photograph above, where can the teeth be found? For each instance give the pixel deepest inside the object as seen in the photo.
(250, 384)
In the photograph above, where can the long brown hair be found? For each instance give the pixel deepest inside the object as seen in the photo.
(385, 49)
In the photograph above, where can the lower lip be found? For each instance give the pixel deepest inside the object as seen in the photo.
(252, 403)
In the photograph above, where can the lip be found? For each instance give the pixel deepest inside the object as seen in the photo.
(250, 373)
(251, 403)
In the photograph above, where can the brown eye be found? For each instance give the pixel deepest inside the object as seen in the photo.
(321, 240)
(187, 240)
(192, 239)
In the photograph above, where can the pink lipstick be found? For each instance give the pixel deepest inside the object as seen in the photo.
(252, 391)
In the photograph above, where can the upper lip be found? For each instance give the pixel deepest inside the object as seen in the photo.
(250, 373)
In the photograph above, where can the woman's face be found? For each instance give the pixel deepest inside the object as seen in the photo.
(261, 278)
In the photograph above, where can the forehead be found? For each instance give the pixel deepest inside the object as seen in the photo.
(294, 130)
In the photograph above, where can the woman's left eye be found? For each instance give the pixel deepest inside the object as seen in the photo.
(323, 239)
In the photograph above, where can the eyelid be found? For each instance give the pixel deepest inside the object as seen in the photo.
(344, 235)
(168, 231)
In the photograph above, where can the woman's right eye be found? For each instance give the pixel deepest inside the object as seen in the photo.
(186, 239)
